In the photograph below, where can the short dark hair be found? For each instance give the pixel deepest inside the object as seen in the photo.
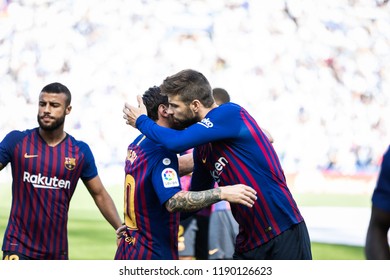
(189, 85)
(58, 88)
(221, 96)
(152, 99)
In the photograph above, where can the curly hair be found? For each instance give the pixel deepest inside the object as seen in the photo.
(153, 98)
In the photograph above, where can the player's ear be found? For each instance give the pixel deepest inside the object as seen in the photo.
(68, 109)
(163, 110)
(195, 105)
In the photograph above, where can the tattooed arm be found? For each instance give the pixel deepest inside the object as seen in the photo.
(193, 201)
(189, 201)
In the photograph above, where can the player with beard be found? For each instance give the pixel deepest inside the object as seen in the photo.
(46, 165)
(230, 148)
(153, 194)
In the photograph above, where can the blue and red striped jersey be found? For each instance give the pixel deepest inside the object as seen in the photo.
(381, 195)
(151, 178)
(230, 148)
(44, 179)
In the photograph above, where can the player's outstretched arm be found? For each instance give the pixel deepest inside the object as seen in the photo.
(131, 113)
(192, 201)
(104, 201)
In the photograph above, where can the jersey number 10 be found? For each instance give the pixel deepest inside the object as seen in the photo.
(129, 203)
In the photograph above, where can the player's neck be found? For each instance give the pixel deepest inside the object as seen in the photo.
(204, 111)
(163, 122)
(52, 138)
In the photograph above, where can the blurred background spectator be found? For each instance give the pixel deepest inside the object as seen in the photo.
(315, 73)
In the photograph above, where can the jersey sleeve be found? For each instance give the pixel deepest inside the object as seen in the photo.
(220, 123)
(165, 177)
(8, 144)
(381, 195)
(89, 170)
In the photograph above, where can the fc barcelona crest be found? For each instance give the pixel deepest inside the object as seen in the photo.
(131, 156)
(70, 163)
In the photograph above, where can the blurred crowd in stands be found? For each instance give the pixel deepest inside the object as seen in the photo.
(315, 74)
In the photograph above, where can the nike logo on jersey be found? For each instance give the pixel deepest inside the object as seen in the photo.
(213, 251)
(30, 156)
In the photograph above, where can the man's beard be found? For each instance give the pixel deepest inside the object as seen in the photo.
(56, 124)
(182, 124)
